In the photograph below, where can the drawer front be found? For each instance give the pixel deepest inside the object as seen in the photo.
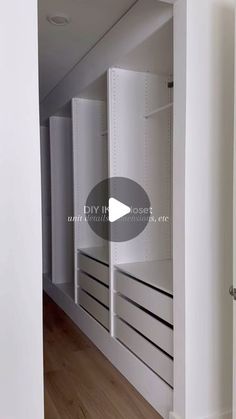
(159, 362)
(94, 268)
(156, 302)
(150, 327)
(97, 310)
(93, 287)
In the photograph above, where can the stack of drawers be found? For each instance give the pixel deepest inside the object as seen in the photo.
(93, 292)
(144, 323)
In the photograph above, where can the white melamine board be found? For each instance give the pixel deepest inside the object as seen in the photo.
(94, 288)
(140, 149)
(179, 167)
(89, 120)
(97, 310)
(90, 162)
(94, 268)
(157, 273)
(161, 363)
(153, 329)
(101, 254)
(154, 301)
(61, 199)
(149, 384)
(46, 198)
(158, 175)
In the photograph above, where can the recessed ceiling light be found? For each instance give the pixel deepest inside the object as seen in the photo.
(58, 19)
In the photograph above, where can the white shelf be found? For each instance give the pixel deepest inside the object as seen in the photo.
(158, 110)
(157, 273)
(98, 253)
(67, 288)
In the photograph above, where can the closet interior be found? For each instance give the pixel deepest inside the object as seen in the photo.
(119, 293)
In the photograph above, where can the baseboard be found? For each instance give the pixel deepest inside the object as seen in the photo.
(227, 414)
(146, 382)
(172, 415)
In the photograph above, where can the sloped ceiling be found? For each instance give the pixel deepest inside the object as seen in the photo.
(61, 47)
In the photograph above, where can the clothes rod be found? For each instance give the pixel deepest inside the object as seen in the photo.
(161, 109)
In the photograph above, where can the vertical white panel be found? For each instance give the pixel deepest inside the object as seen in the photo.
(179, 139)
(90, 164)
(158, 166)
(21, 366)
(204, 89)
(62, 199)
(234, 240)
(46, 198)
(90, 161)
(140, 149)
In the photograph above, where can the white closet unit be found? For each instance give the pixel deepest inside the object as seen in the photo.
(140, 138)
(130, 112)
(46, 199)
(62, 203)
(122, 127)
(90, 150)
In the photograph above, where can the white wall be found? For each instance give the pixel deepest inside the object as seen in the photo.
(21, 385)
(206, 271)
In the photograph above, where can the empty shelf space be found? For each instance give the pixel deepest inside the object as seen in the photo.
(100, 254)
(158, 110)
(67, 288)
(157, 273)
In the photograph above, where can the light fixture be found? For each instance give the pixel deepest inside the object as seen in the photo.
(58, 19)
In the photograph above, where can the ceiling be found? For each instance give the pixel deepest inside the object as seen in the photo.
(61, 47)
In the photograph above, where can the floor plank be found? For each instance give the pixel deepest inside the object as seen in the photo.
(80, 383)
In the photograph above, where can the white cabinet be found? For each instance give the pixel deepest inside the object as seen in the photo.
(122, 126)
(147, 103)
(61, 200)
(46, 199)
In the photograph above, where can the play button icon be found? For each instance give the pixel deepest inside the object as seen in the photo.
(117, 210)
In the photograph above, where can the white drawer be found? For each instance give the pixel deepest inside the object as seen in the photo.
(94, 268)
(159, 362)
(153, 329)
(93, 287)
(156, 302)
(97, 310)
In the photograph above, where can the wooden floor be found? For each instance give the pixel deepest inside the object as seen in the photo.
(79, 381)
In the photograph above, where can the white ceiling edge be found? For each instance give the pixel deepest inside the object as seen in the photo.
(127, 34)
